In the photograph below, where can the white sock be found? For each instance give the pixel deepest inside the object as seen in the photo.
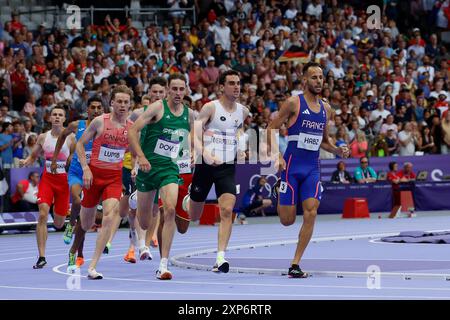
(163, 263)
(220, 255)
(141, 243)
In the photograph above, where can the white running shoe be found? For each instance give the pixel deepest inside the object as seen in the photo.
(222, 266)
(145, 254)
(94, 275)
(163, 274)
(132, 201)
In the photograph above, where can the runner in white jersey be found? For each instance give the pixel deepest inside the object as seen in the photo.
(53, 187)
(220, 124)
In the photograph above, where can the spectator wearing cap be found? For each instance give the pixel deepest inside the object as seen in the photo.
(370, 103)
(210, 74)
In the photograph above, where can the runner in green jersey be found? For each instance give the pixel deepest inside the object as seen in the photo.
(167, 124)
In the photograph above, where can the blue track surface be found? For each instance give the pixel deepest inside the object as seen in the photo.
(337, 263)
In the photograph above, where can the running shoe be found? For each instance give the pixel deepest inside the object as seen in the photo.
(296, 272)
(221, 266)
(107, 248)
(145, 254)
(94, 275)
(130, 257)
(40, 263)
(79, 262)
(163, 274)
(68, 233)
(72, 264)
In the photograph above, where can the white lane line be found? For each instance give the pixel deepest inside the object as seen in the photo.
(233, 294)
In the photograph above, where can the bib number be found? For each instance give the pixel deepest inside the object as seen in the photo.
(167, 148)
(60, 166)
(111, 155)
(309, 141)
(184, 166)
(88, 156)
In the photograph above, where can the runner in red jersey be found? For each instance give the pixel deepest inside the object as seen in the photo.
(53, 187)
(102, 178)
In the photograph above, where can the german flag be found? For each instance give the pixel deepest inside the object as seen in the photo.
(296, 54)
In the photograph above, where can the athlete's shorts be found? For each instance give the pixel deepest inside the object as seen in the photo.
(157, 178)
(54, 189)
(299, 179)
(75, 176)
(222, 176)
(106, 184)
(182, 192)
(127, 182)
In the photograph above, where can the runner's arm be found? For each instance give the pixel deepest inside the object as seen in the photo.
(71, 128)
(88, 135)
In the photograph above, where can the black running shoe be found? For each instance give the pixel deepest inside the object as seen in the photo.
(40, 263)
(223, 267)
(296, 272)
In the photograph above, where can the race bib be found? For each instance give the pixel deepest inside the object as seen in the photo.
(309, 141)
(167, 149)
(60, 166)
(88, 156)
(111, 155)
(184, 166)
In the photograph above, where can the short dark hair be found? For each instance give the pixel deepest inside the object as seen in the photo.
(225, 74)
(6, 125)
(176, 76)
(158, 80)
(31, 174)
(310, 65)
(94, 98)
(61, 106)
(391, 165)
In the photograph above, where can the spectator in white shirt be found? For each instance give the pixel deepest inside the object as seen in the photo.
(222, 34)
(385, 127)
(407, 139)
(62, 94)
(378, 115)
(338, 71)
(314, 9)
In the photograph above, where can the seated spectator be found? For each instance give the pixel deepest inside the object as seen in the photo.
(253, 201)
(407, 174)
(341, 175)
(364, 173)
(25, 197)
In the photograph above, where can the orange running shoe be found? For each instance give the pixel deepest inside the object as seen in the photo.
(154, 242)
(79, 262)
(130, 257)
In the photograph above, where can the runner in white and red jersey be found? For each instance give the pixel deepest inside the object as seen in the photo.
(102, 178)
(53, 187)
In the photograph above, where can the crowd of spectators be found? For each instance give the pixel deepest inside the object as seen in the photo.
(388, 88)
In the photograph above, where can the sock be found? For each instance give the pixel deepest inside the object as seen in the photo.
(163, 263)
(141, 243)
(220, 256)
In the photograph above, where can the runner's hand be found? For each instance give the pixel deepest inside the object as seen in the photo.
(87, 178)
(143, 164)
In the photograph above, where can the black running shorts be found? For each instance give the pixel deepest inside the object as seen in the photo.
(223, 177)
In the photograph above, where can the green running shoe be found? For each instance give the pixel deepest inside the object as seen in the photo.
(71, 265)
(68, 234)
